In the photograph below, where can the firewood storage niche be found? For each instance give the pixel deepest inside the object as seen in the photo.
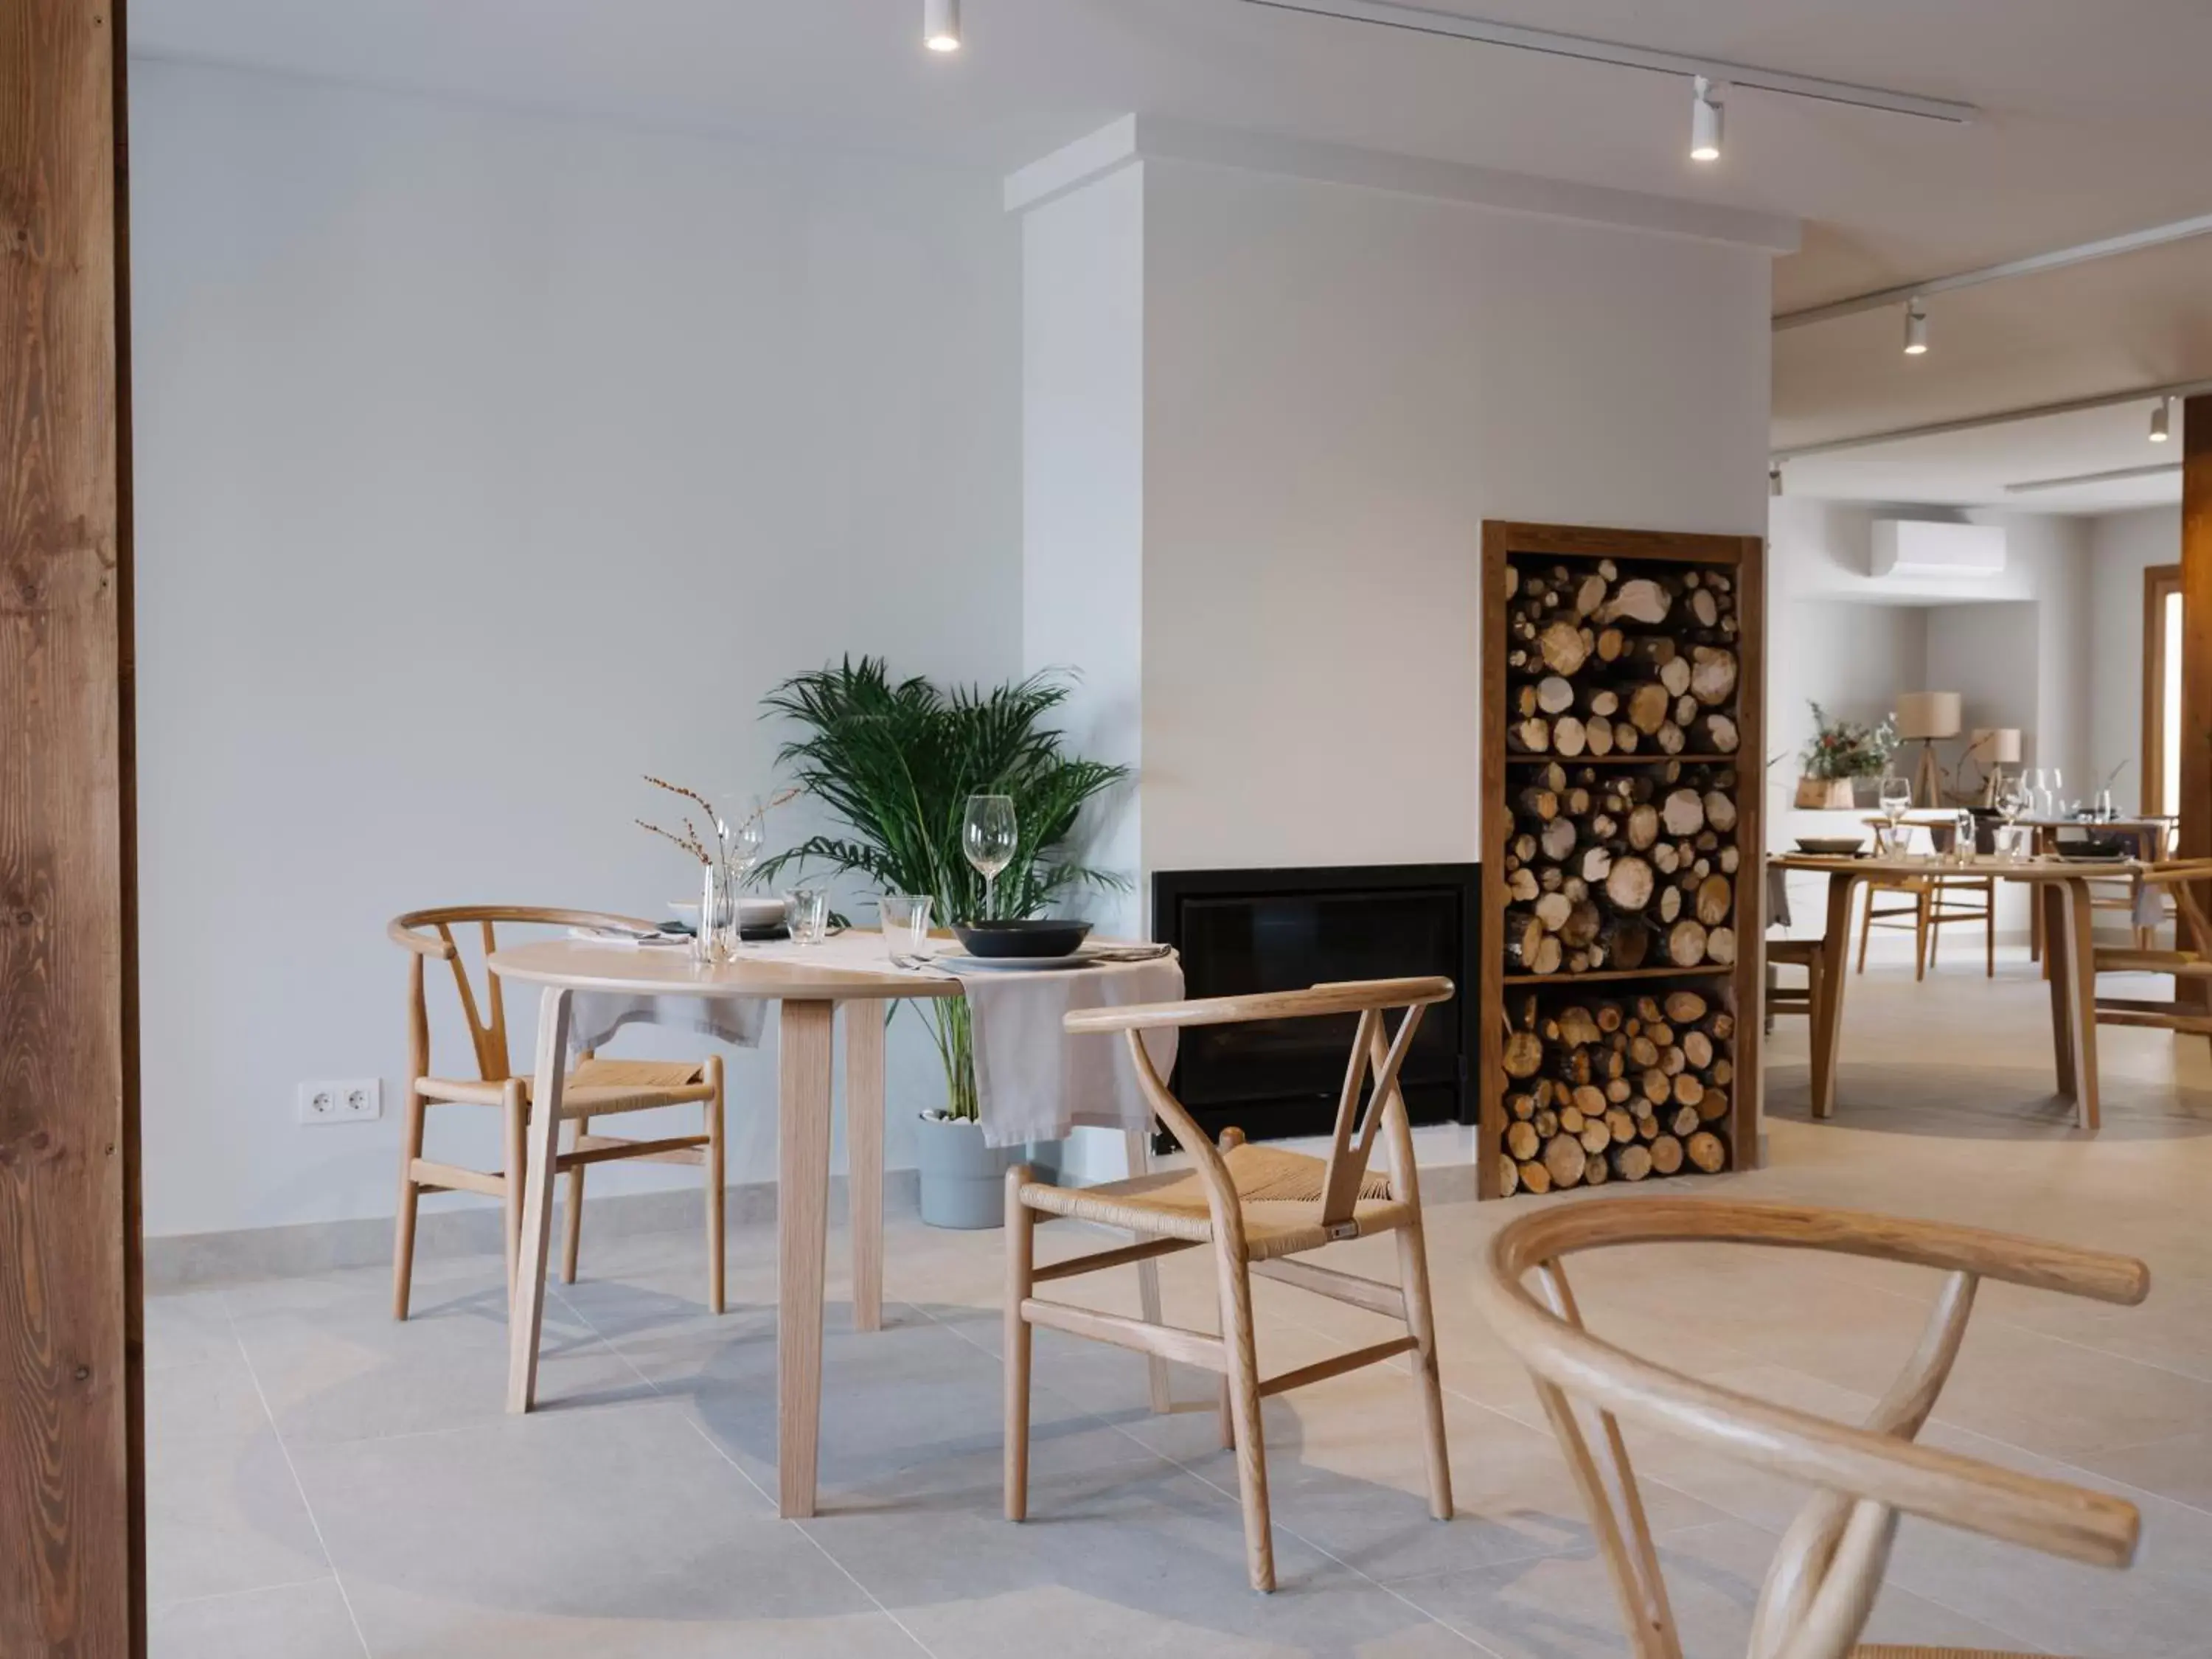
(1622, 781)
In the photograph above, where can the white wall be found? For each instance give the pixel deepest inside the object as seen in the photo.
(1341, 384)
(1082, 454)
(2122, 545)
(483, 463)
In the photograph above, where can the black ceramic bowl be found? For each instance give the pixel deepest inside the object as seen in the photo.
(1036, 938)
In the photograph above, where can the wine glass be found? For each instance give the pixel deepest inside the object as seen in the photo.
(2031, 780)
(739, 842)
(1962, 836)
(2057, 788)
(1896, 798)
(987, 836)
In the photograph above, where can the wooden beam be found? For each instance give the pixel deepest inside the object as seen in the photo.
(2194, 807)
(72, 1570)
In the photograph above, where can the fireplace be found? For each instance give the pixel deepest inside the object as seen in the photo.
(1240, 931)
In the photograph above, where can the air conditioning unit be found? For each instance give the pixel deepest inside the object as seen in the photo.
(1915, 548)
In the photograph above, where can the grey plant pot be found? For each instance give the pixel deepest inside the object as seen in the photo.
(962, 1181)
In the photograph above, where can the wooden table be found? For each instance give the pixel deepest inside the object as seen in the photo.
(806, 997)
(2061, 899)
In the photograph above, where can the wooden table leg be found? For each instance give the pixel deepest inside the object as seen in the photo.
(1828, 1012)
(802, 1202)
(864, 1156)
(2082, 1001)
(2057, 933)
(526, 1312)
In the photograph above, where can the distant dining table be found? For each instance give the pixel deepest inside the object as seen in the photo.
(591, 987)
(2062, 900)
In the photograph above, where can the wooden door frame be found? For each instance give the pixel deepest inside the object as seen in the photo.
(2160, 582)
(72, 1462)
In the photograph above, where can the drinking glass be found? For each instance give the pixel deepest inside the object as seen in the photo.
(905, 923)
(1896, 798)
(1962, 839)
(2057, 784)
(806, 914)
(987, 836)
(2105, 811)
(2012, 798)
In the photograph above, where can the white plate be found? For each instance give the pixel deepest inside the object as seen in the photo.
(960, 963)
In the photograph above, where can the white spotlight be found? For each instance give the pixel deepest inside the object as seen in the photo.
(2160, 431)
(1774, 479)
(1916, 330)
(940, 25)
(1706, 115)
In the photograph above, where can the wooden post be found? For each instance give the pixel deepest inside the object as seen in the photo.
(2194, 807)
(72, 1570)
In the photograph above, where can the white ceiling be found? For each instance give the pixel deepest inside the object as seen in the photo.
(2095, 122)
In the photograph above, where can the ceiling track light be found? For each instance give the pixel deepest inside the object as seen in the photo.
(1916, 330)
(940, 25)
(2160, 422)
(1708, 114)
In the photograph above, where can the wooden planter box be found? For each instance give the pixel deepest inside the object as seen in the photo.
(1823, 794)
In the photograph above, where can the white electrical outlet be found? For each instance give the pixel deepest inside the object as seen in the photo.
(354, 1100)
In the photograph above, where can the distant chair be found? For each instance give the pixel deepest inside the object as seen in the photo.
(2190, 962)
(596, 1088)
(1824, 1579)
(1255, 1208)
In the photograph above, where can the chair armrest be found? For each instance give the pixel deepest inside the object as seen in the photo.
(400, 933)
(1354, 998)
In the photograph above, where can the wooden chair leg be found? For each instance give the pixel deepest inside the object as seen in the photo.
(1934, 924)
(1021, 1262)
(1989, 930)
(403, 1231)
(572, 1217)
(1920, 938)
(1157, 1385)
(517, 1122)
(1242, 1353)
(716, 1196)
(1773, 983)
(1421, 1325)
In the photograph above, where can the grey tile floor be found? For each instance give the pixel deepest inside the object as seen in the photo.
(325, 1483)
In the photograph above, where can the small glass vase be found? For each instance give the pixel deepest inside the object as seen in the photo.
(716, 941)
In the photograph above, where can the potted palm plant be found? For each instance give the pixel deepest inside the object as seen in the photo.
(893, 763)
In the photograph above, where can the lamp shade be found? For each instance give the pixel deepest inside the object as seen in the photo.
(1997, 745)
(1929, 715)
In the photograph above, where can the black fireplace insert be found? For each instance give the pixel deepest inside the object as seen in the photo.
(1242, 931)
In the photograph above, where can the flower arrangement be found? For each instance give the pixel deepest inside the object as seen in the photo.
(1847, 748)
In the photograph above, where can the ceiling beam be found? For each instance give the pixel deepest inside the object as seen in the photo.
(2132, 242)
(2113, 475)
(1421, 19)
(2149, 394)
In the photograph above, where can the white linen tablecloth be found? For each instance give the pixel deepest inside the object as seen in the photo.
(1034, 1081)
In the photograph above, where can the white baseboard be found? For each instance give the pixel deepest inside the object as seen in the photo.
(187, 1262)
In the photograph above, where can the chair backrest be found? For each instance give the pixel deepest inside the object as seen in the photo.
(1829, 1568)
(1371, 1074)
(487, 1019)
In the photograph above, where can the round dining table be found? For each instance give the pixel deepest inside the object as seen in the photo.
(2063, 909)
(806, 997)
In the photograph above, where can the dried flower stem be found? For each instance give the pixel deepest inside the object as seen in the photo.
(689, 842)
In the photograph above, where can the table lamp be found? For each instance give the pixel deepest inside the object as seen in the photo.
(1993, 748)
(1922, 717)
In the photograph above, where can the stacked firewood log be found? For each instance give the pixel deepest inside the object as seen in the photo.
(1603, 1089)
(1620, 868)
(1602, 664)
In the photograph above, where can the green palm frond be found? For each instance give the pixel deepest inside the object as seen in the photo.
(894, 762)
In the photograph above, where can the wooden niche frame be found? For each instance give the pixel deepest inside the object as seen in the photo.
(1721, 1038)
